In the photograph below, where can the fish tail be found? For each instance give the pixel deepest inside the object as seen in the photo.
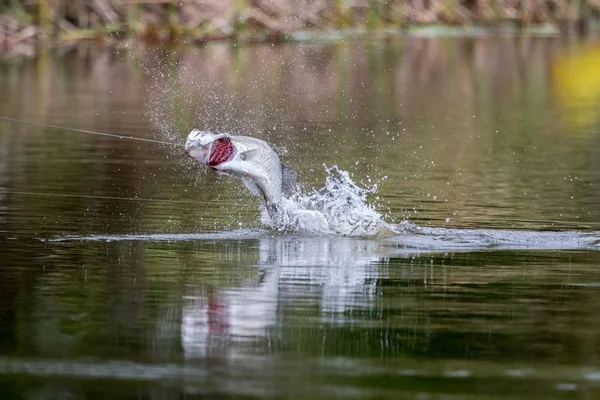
(273, 209)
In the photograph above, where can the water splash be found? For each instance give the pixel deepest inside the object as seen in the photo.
(339, 208)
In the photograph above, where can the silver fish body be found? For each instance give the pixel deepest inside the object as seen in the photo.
(253, 160)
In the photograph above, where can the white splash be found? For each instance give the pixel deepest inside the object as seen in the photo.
(339, 208)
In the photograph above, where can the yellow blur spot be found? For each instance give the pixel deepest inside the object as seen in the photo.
(576, 85)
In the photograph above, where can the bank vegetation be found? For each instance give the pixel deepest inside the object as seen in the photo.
(35, 22)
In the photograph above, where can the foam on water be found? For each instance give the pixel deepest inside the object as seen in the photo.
(339, 208)
(241, 234)
(435, 238)
(411, 239)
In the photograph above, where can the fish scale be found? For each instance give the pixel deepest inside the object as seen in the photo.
(253, 160)
(262, 157)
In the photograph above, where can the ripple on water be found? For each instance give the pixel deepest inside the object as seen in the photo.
(413, 239)
(341, 209)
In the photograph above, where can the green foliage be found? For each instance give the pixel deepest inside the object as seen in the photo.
(208, 19)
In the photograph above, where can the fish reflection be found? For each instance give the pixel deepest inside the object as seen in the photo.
(336, 276)
(239, 314)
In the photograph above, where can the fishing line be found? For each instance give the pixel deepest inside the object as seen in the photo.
(89, 132)
(22, 193)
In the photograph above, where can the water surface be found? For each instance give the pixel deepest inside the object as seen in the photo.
(128, 271)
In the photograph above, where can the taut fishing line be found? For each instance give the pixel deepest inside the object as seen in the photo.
(90, 132)
(100, 134)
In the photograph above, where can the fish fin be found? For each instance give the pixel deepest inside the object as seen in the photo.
(288, 180)
(252, 187)
(273, 209)
(278, 150)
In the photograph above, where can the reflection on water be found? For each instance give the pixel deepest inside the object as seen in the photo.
(199, 315)
(340, 275)
(576, 85)
(469, 132)
(128, 273)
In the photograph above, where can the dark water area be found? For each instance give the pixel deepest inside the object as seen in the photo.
(127, 271)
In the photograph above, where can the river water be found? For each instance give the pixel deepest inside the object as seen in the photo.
(129, 271)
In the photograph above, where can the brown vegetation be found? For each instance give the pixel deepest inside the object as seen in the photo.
(34, 21)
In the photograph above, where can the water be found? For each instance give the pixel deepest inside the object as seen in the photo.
(460, 253)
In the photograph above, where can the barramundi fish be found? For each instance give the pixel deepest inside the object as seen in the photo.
(253, 160)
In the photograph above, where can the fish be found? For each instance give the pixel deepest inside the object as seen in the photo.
(253, 160)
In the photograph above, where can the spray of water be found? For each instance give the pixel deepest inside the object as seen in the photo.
(188, 93)
(339, 208)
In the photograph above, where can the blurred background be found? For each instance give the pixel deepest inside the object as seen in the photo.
(127, 271)
(26, 22)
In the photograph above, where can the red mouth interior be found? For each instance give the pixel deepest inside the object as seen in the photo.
(221, 150)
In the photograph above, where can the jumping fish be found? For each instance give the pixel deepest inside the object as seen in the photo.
(253, 160)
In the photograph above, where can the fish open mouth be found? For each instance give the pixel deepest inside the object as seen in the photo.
(222, 150)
